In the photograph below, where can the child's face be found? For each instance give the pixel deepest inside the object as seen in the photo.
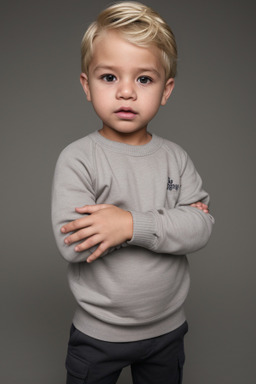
(126, 85)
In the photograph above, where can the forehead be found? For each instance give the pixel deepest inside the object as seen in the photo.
(111, 48)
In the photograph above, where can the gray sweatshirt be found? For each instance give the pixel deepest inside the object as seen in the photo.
(136, 290)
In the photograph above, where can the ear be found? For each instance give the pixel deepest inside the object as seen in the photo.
(168, 88)
(85, 84)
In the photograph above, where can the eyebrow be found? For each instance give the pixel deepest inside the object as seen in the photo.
(113, 68)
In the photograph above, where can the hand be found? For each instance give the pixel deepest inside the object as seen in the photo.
(103, 224)
(199, 205)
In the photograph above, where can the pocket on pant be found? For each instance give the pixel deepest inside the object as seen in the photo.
(75, 336)
(77, 369)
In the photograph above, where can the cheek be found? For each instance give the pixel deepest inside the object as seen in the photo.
(101, 104)
(153, 105)
(101, 95)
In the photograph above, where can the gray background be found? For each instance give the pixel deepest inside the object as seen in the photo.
(211, 114)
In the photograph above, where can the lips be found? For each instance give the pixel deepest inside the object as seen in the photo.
(126, 113)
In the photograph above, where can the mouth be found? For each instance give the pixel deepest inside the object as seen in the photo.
(126, 113)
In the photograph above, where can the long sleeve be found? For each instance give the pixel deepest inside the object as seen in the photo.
(73, 186)
(182, 229)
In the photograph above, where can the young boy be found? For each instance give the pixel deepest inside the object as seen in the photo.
(140, 208)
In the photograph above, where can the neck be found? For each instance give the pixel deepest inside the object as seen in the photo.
(134, 138)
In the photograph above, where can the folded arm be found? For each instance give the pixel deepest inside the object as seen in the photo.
(92, 230)
(178, 231)
(107, 226)
(182, 229)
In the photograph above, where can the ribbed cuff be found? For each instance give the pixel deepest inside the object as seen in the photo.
(144, 230)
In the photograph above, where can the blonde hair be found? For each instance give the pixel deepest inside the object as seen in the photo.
(138, 24)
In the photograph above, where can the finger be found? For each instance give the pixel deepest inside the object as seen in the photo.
(205, 208)
(197, 205)
(91, 208)
(76, 224)
(96, 254)
(79, 235)
(88, 243)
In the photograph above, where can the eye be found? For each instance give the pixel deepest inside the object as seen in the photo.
(108, 78)
(144, 80)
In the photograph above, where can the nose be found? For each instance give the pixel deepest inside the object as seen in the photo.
(126, 90)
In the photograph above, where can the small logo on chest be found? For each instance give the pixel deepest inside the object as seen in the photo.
(171, 185)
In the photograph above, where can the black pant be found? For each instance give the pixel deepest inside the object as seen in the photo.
(153, 361)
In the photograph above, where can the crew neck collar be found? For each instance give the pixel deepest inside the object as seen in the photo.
(134, 150)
